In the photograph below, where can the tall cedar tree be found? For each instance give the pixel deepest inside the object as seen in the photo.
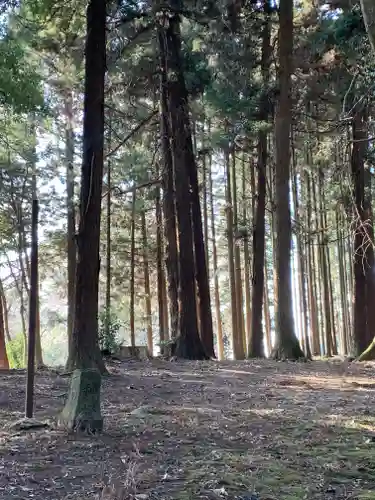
(71, 244)
(255, 348)
(188, 342)
(86, 353)
(287, 345)
(363, 250)
(169, 206)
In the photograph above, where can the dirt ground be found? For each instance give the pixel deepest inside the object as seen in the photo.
(199, 430)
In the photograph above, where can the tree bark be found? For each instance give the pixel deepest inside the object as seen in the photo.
(267, 315)
(237, 340)
(159, 269)
(4, 363)
(169, 205)
(287, 345)
(5, 312)
(205, 208)
(313, 314)
(188, 342)
(38, 344)
(178, 96)
(368, 12)
(342, 278)
(255, 348)
(361, 241)
(220, 342)
(301, 269)
(324, 268)
(201, 265)
(237, 261)
(71, 215)
(132, 274)
(246, 255)
(86, 352)
(146, 275)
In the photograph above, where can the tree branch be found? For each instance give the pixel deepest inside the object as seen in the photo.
(131, 133)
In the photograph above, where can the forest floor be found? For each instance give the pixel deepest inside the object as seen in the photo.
(199, 430)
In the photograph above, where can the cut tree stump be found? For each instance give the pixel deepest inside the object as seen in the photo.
(82, 409)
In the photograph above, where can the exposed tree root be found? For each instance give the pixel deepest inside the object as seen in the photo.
(290, 351)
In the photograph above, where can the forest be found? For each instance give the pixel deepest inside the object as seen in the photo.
(187, 257)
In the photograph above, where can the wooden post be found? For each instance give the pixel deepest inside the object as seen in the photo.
(29, 404)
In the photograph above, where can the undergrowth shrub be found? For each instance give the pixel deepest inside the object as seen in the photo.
(109, 337)
(16, 352)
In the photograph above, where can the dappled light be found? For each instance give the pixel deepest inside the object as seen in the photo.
(187, 251)
(164, 436)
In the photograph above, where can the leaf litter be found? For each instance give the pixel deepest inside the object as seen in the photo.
(257, 430)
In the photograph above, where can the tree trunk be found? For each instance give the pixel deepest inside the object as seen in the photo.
(205, 209)
(237, 261)
(246, 253)
(368, 12)
(201, 265)
(237, 341)
(5, 312)
(188, 342)
(148, 310)
(331, 302)
(165, 308)
(370, 258)
(361, 241)
(324, 269)
(159, 268)
(4, 363)
(132, 274)
(343, 291)
(267, 315)
(108, 237)
(287, 345)
(220, 342)
(255, 348)
(20, 290)
(86, 352)
(169, 206)
(313, 314)
(301, 273)
(178, 96)
(71, 215)
(33, 165)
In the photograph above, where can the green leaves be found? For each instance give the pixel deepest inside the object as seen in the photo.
(20, 85)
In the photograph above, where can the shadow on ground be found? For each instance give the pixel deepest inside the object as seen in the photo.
(200, 430)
